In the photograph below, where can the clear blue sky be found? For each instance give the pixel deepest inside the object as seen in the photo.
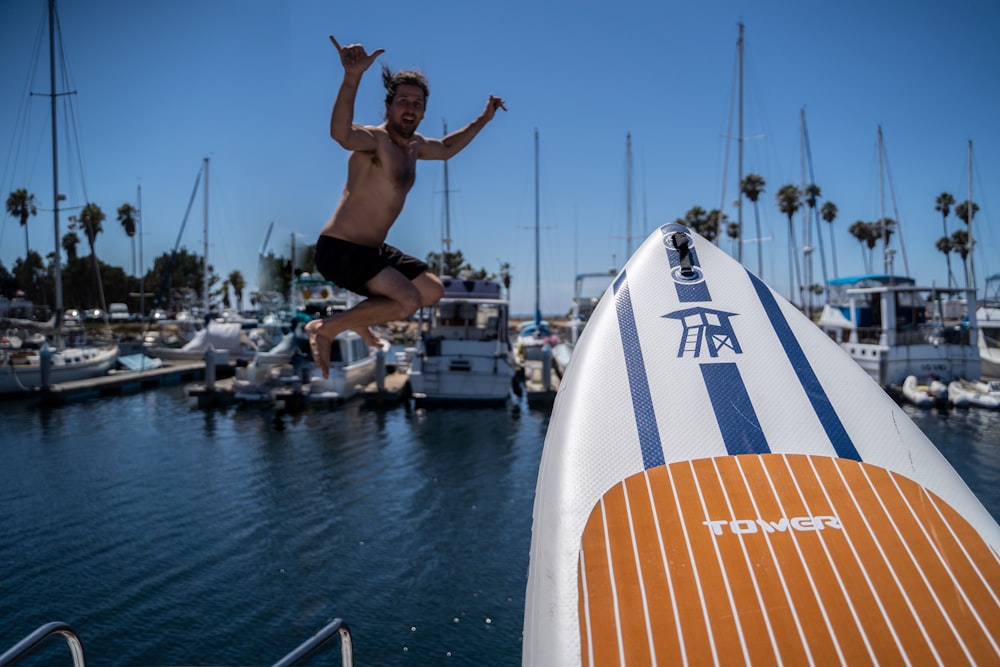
(249, 83)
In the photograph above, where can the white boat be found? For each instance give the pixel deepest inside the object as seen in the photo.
(892, 328)
(352, 366)
(964, 393)
(988, 320)
(464, 356)
(21, 371)
(53, 362)
(535, 334)
(225, 339)
(686, 512)
(924, 395)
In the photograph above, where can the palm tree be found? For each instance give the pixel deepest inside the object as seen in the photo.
(69, 242)
(697, 219)
(862, 231)
(944, 245)
(237, 283)
(789, 199)
(733, 231)
(21, 205)
(714, 222)
(966, 212)
(960, 244)
(829, 213)
(943, 206)
(126, 216)
(751, 186)
(91, 218)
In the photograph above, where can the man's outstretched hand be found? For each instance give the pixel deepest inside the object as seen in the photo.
(492, 105)
(354, 58)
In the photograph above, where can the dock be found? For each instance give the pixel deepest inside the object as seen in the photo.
(124, 382)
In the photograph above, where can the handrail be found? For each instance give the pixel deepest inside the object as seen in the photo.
(303, 651)
(29, 643)
(313, 644)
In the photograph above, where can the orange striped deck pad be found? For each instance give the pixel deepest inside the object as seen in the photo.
(783, 559)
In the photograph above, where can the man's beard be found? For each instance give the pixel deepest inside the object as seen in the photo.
(405, 131)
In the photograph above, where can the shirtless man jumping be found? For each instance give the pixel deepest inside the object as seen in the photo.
(351, 250)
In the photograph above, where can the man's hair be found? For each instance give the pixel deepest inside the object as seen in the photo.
(393, 81)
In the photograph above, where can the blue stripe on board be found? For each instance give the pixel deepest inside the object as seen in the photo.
(734, 412)
(834, 428)
(686, 292)
(642, 401)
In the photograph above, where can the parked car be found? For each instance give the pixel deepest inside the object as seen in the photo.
(93, 315)
(72, 318)
(118, 312)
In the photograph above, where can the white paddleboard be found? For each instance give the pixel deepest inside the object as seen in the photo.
(722, 484)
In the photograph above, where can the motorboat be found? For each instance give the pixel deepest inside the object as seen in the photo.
(988, 320)
(924, 395)
(352, 366)
(894, 328)
(964, 393)
(464, 355)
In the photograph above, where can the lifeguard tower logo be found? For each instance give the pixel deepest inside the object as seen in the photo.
(801, 524)
(705, 328)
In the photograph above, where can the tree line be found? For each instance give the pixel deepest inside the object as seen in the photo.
(790, 199)
(176, 279)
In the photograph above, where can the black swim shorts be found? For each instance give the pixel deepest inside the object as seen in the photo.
(351, 265)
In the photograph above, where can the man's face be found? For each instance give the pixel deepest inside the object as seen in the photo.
(406, 110)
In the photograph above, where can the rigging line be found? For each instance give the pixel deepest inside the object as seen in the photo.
(728, 136)
(69, 110)
(895, 212)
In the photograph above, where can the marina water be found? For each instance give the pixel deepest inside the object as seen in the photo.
(167, 534)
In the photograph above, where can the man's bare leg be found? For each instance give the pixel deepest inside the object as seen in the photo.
(393, 298)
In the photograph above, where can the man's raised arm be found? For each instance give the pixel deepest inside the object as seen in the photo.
(448, 146)
(356, 61)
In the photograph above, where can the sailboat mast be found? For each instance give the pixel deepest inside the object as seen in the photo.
(739, 159)
(55, 163)
(538, 274)
(628, 194)
(204, 278)
(887, 257)
(447, 207)
(971, 278)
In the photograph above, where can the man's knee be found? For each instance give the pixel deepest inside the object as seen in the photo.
(432, 294)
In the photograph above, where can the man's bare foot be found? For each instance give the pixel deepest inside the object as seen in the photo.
(319, 345)
(369, 337)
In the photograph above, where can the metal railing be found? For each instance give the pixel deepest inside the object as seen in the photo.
(32, 641)
(314, 643)
(304, 650)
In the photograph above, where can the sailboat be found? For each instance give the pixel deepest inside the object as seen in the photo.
(21, 369)
(534, 334)
(894, 328)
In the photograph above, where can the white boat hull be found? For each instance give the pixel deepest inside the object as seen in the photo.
(67, 365)
(460, 373)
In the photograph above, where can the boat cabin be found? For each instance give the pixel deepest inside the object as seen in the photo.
(893, 310)
(469, 310)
